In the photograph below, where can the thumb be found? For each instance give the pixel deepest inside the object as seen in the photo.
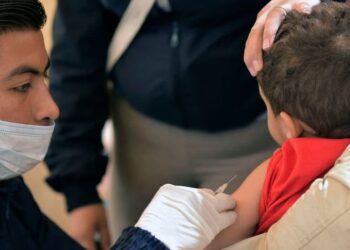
(88, 244)
(227, 219)
(105, 238)
(224, 202)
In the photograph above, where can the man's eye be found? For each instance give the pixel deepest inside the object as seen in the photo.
(46, 74)
(23, 88)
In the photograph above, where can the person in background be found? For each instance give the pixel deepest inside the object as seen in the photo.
(307, 115)
(185, 108)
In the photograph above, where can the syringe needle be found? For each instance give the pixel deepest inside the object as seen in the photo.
(223, 187)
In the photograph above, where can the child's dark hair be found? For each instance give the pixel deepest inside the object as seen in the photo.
(18, 15)
(307, 71)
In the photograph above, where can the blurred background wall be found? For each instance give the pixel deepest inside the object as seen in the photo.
(51, 203)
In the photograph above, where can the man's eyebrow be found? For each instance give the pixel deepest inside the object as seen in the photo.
(23, 69)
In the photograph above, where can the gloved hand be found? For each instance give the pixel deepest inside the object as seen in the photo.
(187, 218)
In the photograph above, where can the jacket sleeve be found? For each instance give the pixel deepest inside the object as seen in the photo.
(81, 34)
(134, 238)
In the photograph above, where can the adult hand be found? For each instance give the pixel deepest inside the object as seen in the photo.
(187, 218)
(263, 33)
(85, 222)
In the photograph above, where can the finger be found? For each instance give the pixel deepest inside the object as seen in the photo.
(253, 46)
(105, 237)
(88, 244)
(273, 22)
(166, 187)
(208, 191)
(265, 9)
(253, 50)
(85, 240)
(227, 219)
(302, 7)
(224, 202)
(305, 6)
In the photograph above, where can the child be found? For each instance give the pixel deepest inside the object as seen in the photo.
(305, 85)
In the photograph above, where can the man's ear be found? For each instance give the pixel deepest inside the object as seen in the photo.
(291, 127)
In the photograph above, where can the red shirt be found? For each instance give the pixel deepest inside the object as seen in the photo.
(291, 171)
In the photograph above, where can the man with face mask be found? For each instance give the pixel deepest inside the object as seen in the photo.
(26, 123)
(27, 114)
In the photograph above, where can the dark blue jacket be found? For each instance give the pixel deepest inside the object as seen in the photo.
(134, 238)
(22, 224)
(24, 227)
(184, 68)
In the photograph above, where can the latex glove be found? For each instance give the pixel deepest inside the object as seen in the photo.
(266, 25)
(187, 218)
(85, 222)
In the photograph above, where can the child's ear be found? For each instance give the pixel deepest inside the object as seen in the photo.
(291, 127)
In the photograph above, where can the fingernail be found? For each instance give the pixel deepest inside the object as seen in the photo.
(257, 66)
(252, 71)
(305, 8)
(266, 44)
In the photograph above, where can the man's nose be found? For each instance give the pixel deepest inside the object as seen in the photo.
(45, 108)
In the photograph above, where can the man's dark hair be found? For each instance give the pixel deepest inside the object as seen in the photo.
(307, 71)
(18, 15)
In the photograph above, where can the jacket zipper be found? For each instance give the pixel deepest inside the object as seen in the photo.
(174, 45)
(175, 37)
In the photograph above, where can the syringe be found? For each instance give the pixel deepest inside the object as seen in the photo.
(223, 187)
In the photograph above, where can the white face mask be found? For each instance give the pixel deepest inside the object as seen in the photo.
(22, 147)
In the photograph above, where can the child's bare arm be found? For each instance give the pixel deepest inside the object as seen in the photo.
(247, 197)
